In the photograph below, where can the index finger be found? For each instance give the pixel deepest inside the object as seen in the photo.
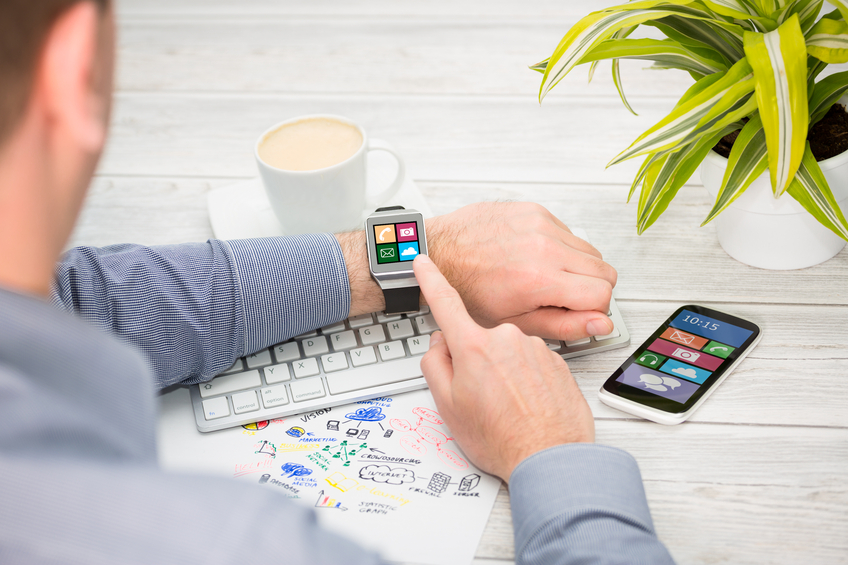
(444, 301)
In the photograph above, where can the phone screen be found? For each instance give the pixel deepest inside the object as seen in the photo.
(683, 359)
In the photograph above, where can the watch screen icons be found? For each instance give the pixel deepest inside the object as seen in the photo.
(408, 250)
(387, 253)
(407, 232)
(384, 234)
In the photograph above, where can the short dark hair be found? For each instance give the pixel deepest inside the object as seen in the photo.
(24, 25)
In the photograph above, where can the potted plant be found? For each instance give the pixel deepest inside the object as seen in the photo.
(756, 66)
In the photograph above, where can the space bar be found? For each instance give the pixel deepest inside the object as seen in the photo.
(375, 375)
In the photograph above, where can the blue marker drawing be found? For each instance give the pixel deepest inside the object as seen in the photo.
(373, 414)
(295, 470)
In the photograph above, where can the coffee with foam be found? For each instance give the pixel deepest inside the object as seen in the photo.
(310, 144)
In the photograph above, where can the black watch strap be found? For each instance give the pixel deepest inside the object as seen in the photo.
(400, 300)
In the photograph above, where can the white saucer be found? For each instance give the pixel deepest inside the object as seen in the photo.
(242, 210)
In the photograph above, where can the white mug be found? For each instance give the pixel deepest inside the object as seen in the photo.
(332, 199)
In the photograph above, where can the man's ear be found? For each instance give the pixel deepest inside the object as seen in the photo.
(68, 76)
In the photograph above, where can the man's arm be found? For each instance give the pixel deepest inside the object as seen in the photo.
(193, 309)
(515, 409)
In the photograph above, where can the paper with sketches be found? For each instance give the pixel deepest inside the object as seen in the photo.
(383, 472)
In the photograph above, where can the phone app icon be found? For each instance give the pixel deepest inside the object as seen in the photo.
(408, 250)
(407, 232)
(685, 354)
(677, 369)
(702, 360)
(678, 390)
(385, 233)
(387, 253)
(718, 349)
(683, 338)
(649, 359)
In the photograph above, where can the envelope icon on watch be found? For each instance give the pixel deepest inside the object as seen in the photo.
(683, 338)
(387, 253)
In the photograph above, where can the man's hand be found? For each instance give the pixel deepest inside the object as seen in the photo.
(517, 263)
(504, 395)
(510, 262)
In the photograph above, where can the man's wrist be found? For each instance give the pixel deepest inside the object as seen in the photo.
(365, 293)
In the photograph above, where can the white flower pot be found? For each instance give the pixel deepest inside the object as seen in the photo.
(770, 233)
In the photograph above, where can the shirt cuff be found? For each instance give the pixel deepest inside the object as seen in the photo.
(289, 285)
(573, 479)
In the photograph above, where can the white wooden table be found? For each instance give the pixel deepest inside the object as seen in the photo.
(759, 473)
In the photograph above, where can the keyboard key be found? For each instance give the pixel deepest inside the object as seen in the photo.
(578, 342)
(363, 356)
(418, 345)
(360, 321)
(391, 350)
(333, 328)
(377, 375)
(236, 367)
(553, 344)
(424, 310)
(613, 334)
(400, 329)
(382, 317)
(216, 408)
(277, 373)
(313, 333)
(334, 362)
(305, 368)
(286, 351)
(372, 334)
(230, 383)
(426, 324)
(274, 396)
(307, 390)
(343, 340)
(258, 359)
(245, 402)
(315, 346)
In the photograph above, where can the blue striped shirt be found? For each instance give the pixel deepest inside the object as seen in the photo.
(192, 310)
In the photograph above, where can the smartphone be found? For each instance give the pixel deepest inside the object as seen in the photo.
(670, 375)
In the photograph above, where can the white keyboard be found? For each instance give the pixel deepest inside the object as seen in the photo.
(359, 358)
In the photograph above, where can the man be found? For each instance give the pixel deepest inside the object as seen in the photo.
(78, 475)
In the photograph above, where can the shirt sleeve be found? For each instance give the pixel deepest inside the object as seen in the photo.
(193, 309)
(582, 503)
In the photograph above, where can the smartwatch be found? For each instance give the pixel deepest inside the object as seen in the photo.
(395, 236)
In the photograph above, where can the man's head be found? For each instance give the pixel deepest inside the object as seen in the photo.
(56, 66)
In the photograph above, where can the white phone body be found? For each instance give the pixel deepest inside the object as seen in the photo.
(669, 418)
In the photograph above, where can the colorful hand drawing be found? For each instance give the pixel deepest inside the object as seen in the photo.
(344, 452)
(257, 425)
(327, 502)
(267, 448)
(416, 444)
(372, 414)
(295, 470)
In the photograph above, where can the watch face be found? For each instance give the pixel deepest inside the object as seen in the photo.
(394, 241)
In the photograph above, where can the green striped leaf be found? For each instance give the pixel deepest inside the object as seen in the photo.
(808, 12)
(780, 69)
(842, 6)
(828, 41)
(826, 93)
(586, 34)
(811, 190)
(668, 52)
(695, 33)
(747, 161)
(667, 176)
(731, 9)
(721, 95)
